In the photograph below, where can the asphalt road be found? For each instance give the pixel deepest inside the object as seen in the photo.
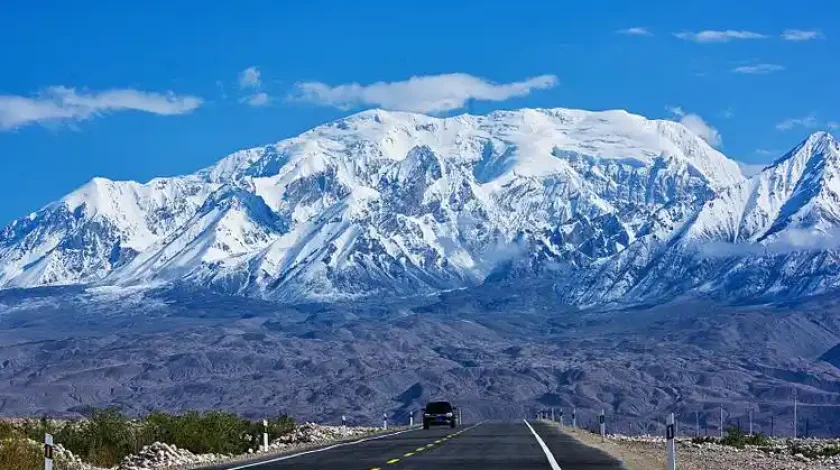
(507, 446)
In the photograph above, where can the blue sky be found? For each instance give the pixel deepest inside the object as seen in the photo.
(133, 92)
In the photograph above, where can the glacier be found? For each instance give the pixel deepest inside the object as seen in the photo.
(605, 206)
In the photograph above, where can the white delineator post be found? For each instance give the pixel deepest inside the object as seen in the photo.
(344, 422)
(460, 417)
(670, 431)
(385, 421)
(574, 417)
(265, 436)
(603, 424)
(561, 417)
(49, 452)
(411, 418)
(552, 414)
(721, 422)
(751, 428)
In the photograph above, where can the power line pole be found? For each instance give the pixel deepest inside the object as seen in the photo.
(795, 404)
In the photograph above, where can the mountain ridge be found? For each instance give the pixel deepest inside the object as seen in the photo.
(392, 203)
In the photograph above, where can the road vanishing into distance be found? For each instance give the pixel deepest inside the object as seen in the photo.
(485, 446)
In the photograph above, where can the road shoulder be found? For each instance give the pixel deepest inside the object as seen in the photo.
(630, 460)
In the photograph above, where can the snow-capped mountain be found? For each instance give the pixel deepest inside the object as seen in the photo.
(389, 203)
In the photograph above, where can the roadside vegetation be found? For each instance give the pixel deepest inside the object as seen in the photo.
(736, 438)
(105, 436)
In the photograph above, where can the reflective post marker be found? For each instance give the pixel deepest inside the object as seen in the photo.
(552, 414)
(670, 430)
(343, 421)
(411, 418)
(460, 417)
(574, 417)
(561, 417)
(385, 421)
(265, 436)
(49, 452)
(603, 424)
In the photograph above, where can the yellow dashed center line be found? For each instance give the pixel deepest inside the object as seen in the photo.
(429, 445)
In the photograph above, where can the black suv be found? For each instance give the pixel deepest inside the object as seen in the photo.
(439, 412)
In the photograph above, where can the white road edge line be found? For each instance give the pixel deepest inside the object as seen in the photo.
(551, 460)
(313, 451)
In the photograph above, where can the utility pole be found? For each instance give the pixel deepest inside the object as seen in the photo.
(795, 405)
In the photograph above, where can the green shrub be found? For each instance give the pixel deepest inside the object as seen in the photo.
(737, 438)
(107, 436)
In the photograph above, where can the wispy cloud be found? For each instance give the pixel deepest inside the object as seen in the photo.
(698, 125)
(712, 36)
(250, 78)
(809, 121)
(425, 94)
(257, 99)
(62, 104)
(766, 153)
(787, 241)
(637, 31)
(833, 125)
(801, 35)
(759, 69)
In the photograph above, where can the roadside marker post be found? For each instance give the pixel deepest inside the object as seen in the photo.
(603, 424)
(574, 417)
(561, 417)
(265, 435)
(721, 422)
(411, 418)
(343, 421)
(670, 431)
(385, 421)
(552, 414)
(49, 452)
(460, 417)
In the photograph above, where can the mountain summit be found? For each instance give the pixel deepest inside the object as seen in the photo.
(392, 203)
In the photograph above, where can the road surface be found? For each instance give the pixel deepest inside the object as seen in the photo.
(486, 446)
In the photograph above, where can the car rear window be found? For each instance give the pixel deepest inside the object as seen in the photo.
(438, 407)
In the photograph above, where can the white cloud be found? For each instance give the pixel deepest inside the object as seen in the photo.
(800, 35)
(809, 121)
(710, 36)
(765, 152)
(250, 78)
(758, 69)
(59, 103)
(787, 241)
(425, 94)
(698, 125)
(257, 99)
(637, 31)
(750, 169)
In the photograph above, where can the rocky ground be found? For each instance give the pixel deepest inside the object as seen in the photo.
(648, 453)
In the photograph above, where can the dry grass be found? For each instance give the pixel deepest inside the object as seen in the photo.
(20, 454)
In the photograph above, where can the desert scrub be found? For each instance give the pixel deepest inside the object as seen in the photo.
(107, 436)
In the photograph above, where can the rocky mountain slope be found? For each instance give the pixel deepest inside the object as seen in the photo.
(606, 205)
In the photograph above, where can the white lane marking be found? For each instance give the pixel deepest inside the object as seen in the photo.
(548, 454)
(334, 446)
